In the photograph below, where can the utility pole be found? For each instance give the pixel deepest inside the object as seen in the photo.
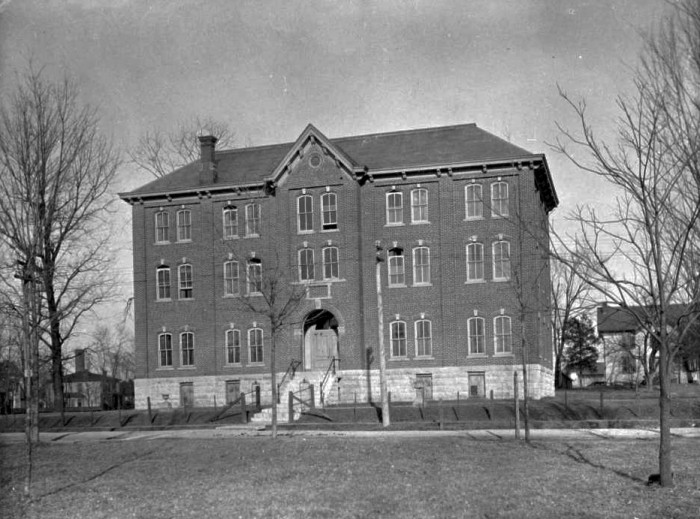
(382, 357)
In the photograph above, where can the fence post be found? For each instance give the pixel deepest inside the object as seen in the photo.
(290, 407)
(354, 410)
(150, 417)
(517, 407)
(313, 398)
(442, 417)
(257, 396)
(244, 412)
(388, 397)
(457, 398)
(601, 403)
(214, 402)
(566, 398)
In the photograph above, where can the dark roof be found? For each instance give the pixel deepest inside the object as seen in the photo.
(615, 319)
(86, 376)
(381, 151)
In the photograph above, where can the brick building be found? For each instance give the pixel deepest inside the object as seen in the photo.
(457, 216)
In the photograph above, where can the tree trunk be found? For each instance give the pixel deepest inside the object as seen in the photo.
(665, 473)
(273, 381)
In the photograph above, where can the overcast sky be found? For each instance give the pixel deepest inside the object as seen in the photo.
(269, 68)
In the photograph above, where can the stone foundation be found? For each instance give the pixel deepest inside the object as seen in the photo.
(351, 386)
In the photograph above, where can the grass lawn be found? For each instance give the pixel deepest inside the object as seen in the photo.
(349, 477)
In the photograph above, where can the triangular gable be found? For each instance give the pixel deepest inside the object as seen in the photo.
(312, 135)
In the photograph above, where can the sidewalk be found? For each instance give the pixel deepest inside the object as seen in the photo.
(251, 431)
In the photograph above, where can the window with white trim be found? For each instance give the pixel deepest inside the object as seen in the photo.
(476, 335)
(502, 334)
(252, 220)
(394, 208)
(165, 350)
(424, 338)
(162, 227)
(421, 266)
(501, 260)
(184, 225)
(231, 278)
(330, 263)
(474, 201)
(398, 339)
(230, 216)
(475, 262)
(255, 345)
(397, 274)
(305, 213)
(185, 281)
(329, 211)
(254, 277)
(419, 205)
(306, 264)
(233, 346)
(187, 348)
(163, 283)
(499, 199)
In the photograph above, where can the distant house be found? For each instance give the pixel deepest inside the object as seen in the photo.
(627, 346)
(84, 389)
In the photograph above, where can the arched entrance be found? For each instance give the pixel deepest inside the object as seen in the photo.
(320, 340)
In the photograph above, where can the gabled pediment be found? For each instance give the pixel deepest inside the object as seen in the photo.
(312, 142)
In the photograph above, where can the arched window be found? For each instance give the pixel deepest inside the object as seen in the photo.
(421, 266)
(398, 338)
(231, 278)
(255, 345)
(184, 225)
(419, 206)
(162, 227)
(306, 264)
(474, 201)
(305, 213)
(397, 274)
(476, 336)
(252, 220)
(329, 211)
(185, 280)
(502, 334)
(230, 215)
(501, 260)
(475, 262)
(233, 346)
(187, 348)
(163, 283)
(394, 208)
(330, 263)
(424, 338)
(499, 199)
(165, 350)
(254, 277)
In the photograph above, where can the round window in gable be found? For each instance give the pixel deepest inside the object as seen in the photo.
(315, 160)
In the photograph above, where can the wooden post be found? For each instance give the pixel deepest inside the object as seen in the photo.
(150, 416)
(492, 394)
(517, 407)
(457, 398)
(441, 414)
(290, 406)
(257, 396)
(566, 398)
(313, 399)
(214, 402)
(244, 412)
(601, 403)
(354, 410)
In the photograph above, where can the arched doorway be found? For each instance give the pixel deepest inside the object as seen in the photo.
(320, 340)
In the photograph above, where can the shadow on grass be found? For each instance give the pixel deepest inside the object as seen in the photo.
(576, 455)
(93, 477)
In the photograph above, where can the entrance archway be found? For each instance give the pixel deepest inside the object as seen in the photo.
(320, 340)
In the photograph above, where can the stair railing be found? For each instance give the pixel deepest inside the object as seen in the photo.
(329, 372)
(291, 371)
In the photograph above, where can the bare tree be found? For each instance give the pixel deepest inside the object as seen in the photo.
(161, 152)
(112, 349)
(271, 293)
(637, 255)
(56, 170)
(570, 296)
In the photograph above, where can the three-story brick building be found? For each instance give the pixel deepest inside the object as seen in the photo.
(457, 217)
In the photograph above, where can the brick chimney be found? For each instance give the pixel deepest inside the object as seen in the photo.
(79, 361)
(207, 166)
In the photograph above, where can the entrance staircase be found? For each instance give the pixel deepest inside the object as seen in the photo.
(325, 392)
